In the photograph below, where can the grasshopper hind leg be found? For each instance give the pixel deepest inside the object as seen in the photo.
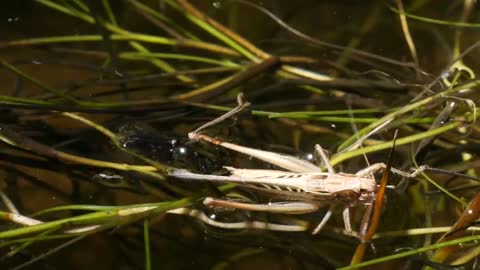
(276, 207)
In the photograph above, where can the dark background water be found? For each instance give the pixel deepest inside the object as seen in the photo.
(180, 242)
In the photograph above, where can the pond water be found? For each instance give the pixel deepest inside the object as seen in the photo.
(315, 72)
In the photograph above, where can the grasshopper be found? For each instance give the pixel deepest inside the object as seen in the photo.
(304, 186)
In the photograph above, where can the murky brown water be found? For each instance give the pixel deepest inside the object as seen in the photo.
(181, 242)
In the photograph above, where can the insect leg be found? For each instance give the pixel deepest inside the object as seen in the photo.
(346, 219)
(365, 220)
(325, 160)
(279, 207)
(324, 220)
(381, 166)
(241, 105)
(298, 227)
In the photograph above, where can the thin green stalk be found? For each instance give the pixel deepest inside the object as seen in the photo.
(18, 100)
(10, 243)
(400, 255)
(148, 170)
(403, 110)
(71, 99)
(85, 219)
(419, 231)
(81, 5)
(31, 241)
(336, 159)
(437, 21)
(307, 114)
(223, 38)
(125, 36)
(109, 12)
(76, 207)
(439, 187)
(146, 240)
(37, 82)
(69, 11)
(109, 217)
(88, 38)
(94, 218)
(159, 63)
(147, 56)
(114, 28)
(161, 17)
(424, 120)
(214, 32)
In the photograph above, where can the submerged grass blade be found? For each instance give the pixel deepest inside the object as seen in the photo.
(408, 108)
(37, 82)
(217, 30)
(338, 158)
(459, 241)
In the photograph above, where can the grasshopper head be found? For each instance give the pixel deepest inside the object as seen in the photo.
(347, 196)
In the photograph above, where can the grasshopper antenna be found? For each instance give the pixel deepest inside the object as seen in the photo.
(242, 104)
(360, 140)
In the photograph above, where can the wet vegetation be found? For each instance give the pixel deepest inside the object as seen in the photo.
(98, 98)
